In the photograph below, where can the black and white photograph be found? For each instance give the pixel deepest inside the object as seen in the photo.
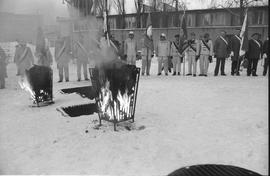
(134, 87)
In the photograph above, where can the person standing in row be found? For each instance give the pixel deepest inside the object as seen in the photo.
(163, 52)
(16, 50)
(176, 56)
(81, 54)
(265, 56)
(44, 55)
(24, 58)
(253, 54)
(146, 53)
(205, 54)
(3, 68)
(235, 44)
(130, 49)
(191, 55)
(221, 50)
(63, 57)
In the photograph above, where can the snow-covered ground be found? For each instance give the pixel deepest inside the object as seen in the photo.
(179, 121)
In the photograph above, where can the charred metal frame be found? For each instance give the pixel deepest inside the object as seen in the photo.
(43, 93)
(95, 83)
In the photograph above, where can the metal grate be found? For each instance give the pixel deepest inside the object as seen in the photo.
(213, 170)
(125, 77)
(78, 110)
(86, 91)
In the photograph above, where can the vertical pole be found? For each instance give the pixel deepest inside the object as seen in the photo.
(241, 11)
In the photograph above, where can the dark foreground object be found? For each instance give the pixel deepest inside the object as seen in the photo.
(40, 79)
(213, 170)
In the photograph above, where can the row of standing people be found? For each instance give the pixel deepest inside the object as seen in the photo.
(203, 50)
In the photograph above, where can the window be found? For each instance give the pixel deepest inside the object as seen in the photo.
(79, 26)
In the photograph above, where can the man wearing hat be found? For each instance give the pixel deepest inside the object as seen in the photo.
(81, 54)
(130, 49)
(176, 55)
(3, 68)
(191, 54)
(146, 53)
(235, 44)
(253, 54)
(265, 56)
(163, 52)
(221, 50)
(63, 56)
(23, 57)
(204, 51)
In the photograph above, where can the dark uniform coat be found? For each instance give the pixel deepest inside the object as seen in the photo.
(221, 49)
(254, 49)
(266, 48)
(235, 44)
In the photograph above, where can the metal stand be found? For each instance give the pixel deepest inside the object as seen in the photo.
(132, 106)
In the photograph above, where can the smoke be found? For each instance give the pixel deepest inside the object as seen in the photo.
(93, 37)
(49, 9)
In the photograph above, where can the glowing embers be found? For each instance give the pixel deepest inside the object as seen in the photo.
(117, 87)
(38, 82)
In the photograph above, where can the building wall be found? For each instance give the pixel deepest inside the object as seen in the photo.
(210, 21)
(18, 26)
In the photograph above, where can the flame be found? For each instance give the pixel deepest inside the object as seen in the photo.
(119, 108)
(25, 85)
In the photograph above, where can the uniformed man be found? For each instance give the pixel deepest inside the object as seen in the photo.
(265, 56)
(63, 57)
(146, 53)
(24, 58)
(191, 54)
(205, 54)
(44, 55)
(176, 55)
(81, 54)
(235, 48)
(16, 50)
(163, 52)
(130, 49)
(3, 68)
(253, 54)
(221, 50)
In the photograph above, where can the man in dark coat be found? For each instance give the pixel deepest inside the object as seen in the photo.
(253, 54)
(235, 44)
(265, 56)
(221, 50)
(3, 69)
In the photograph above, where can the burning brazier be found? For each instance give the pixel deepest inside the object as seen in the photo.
(116, 85)
(38, 82)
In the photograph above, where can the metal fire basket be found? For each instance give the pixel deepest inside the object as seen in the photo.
(41, 81)
(97, 85)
